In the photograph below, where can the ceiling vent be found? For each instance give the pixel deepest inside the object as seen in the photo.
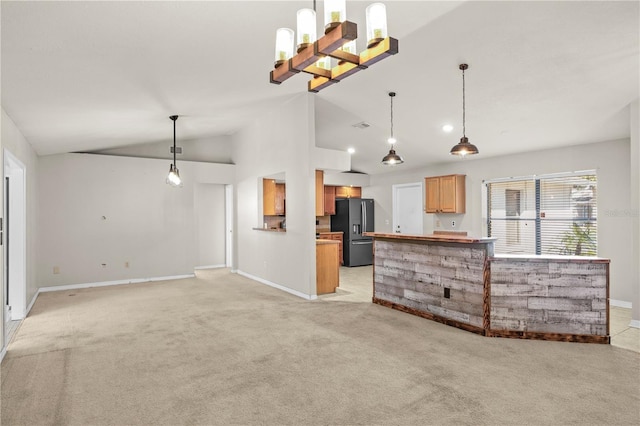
(178, 150)
(362, 125)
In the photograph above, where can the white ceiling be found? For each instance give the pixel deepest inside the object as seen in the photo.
(82, 76)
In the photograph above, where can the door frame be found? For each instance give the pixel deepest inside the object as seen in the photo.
(228, 205)
(15, 244)
(394, 189)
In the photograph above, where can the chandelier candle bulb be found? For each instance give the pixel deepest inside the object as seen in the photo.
(284, 45)
(324, 63)
(376, 23)
(306, 22)
(335, 11)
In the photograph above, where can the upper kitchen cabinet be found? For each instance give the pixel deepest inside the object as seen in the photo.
(273, 197)
(319, 193)
(348, 192)
(329, 200)
(445, 194)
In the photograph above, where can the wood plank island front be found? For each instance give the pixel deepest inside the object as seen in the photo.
(457, 280)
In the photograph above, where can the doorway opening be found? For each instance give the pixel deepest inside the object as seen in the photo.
(15, 241)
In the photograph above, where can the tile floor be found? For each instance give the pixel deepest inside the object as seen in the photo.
(622, 335)
(355, 286)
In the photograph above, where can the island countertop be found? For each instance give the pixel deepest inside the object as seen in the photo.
(431, 237)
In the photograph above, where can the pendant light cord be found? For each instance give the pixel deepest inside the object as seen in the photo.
(174, 118)
(391, 96)
(464, 133)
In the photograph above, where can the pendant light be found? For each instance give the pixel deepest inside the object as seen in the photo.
(464, 147)
(173, 178)
(391, 159)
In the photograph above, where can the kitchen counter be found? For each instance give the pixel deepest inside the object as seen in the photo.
(270, 229)
(431, 237)
(458, 281)
(321, 241)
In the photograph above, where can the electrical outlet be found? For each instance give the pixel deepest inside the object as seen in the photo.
(438, 224)
(453, 223)
(56, 269)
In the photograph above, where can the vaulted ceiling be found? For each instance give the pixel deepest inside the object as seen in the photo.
(82, 76)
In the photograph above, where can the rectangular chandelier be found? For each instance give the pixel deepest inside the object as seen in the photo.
(314, 56)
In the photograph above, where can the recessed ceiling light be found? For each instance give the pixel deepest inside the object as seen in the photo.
(351, 150)
(361, 125)
(447, 128)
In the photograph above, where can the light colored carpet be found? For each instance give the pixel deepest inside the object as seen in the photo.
(222, 349)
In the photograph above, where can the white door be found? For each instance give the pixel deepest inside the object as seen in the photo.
(15, 241)
(407, 208)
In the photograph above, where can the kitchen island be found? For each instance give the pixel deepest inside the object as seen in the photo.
(457, 280)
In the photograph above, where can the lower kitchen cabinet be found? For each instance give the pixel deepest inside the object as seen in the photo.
(327, 266)
(336, 236)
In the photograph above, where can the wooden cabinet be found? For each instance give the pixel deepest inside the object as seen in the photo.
(329, 200)
(336, 236)
(445, 194)
(327, 267)
(273, 198)
(319, 193)
(348, 192)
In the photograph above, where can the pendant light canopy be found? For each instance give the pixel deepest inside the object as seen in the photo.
(391, 159)
(464, 147)
(173, 178)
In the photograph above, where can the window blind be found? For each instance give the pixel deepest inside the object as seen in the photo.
(544, 215)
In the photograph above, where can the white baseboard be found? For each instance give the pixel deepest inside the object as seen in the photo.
(634, 323)
(108, 283)
(278, 286)
(33, 300)
(209, 267)
(620, 303)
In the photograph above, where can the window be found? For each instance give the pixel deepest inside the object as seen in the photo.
(554, 214)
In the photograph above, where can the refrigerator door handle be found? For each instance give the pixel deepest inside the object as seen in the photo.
(363, 211)
(359, 243)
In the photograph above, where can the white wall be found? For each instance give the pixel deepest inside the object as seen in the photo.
(15, 142)
(99, 209)
(209, 212)
(610, 159)
(634, 156)
(282, 141)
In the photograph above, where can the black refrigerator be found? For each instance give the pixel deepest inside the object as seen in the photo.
(353, 217)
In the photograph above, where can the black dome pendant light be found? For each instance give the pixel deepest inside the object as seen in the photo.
(391, 159)
(173, 178)
(463, 148)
